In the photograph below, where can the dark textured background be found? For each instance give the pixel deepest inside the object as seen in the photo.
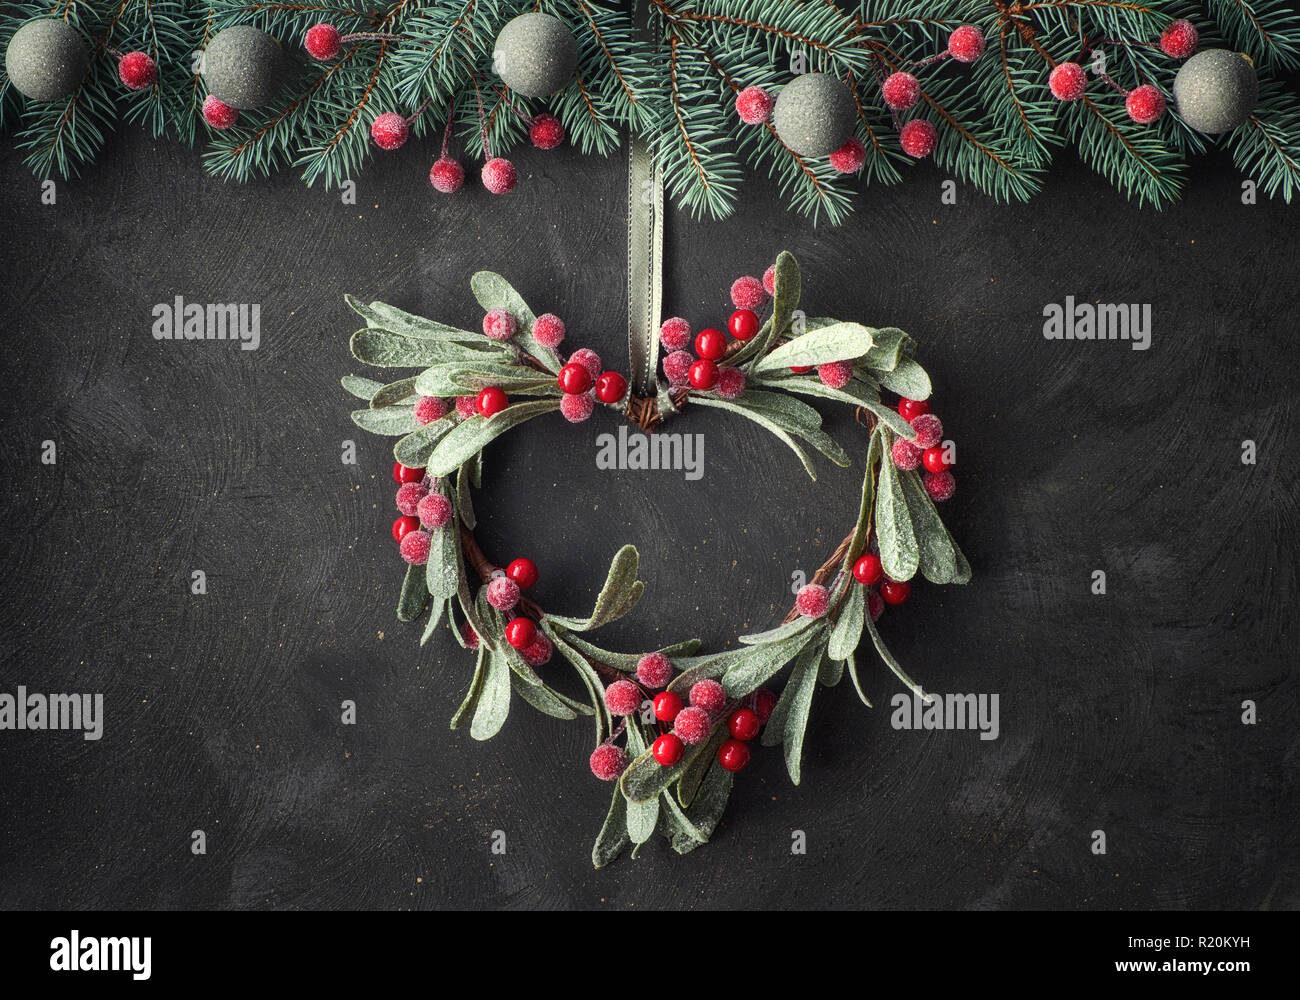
(1119, 713)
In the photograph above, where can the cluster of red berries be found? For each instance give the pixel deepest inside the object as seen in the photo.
(926, 449)
(1145, 104)
(582, 383)
(701, 370)
(422, 510)
(504, 592)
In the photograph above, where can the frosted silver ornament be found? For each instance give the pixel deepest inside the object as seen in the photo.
(814, 114)
(535, 55)
(1216, 90)
(46, 59)
(242, 67)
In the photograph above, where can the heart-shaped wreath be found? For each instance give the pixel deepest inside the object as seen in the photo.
(681, 745)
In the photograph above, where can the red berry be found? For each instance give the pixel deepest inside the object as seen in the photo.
(576, 407)
(910, 409)
(743, 724)
(588, 358)
(1178, 41)
(523, 572)
(499, 175)
(895, 591)
(940, 485)
(402, 474)
(574, 379)
(434, 511)
(801, 369)
(520, 633)
(731, 383)
(708, 695)
(668, 750)
(218, 114)
(927, 430)
(608, 762)
(499, 324)
(875, 606)
(936, 459)
(966, 43)
(538, 654)
(611, 387)
(415, 546)
(711, 344)
(469, 635)
(849, 158)
(867, 570)
(901, 90)
(753, 105)
(390, 131)
(1067, 81)
(503, 593)
(429, 408)
(764, 701)
(836, 374)
(918, 138)
(905, 454)
(692, 725)
(446, 175)
(466, 407)
(322, 41)
(743, 324)
(812, 601)
(546, 132)
(703, 374)
(769, 279)
(549, 330)
(667, 705)
(675, 333)
(409, 496)
(677, 367)
(1145, 104)
(491, 400)
(622, 698)
(404, 526)
(654, 670)
(747, 293)
(733, 755)
(137, 70)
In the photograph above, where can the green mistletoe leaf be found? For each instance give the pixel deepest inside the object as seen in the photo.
(938, 557)
(612, 839)
(641, 816)
(858, 542)
(787, 286)
(908, 379)
(442, 571)
(736, 407)
(890, 662)
(617, 597)
(413, 596)
(548, 701)
(889, 349)
(385, 317)
(839, 342)
(683, 835)
(362, 388)
(494, 292)
(780, 632)
(471, 435)
(384, 349)
(471, 696)
(891, 418)
(645, 777)
(392, 420)
(852, 665)
(848, 628)
(898, 549)
(789, 718)
(494, 698)
(830, 672)
(393, 393)
(763, 662)
(413, 450)
(708, 806)
(688, 786)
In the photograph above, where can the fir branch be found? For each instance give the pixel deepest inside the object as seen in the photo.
(1267, 29)
(1267, 147)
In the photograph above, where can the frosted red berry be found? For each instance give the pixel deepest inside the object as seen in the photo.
(763, 702)
(677, 367)
(1067, 81)
(812, 601)
(918, 138)
(1145, 104)
(503, 593)
(574, 378)
(491, 400)
(966, 44)
(469, 635)
(137, 70)
(909, 409)
(546, 132)
(747, 293)
(588, 358)
(743, 724)
(703, 375)
(466, 406)
(733, 755)
(654, 670)
(667, 705)
(499, 175)
(499, 324)
(549, 330)
(446, 175)
(218, 114)
(538, 653)
(835, 374)
(875, 605)
(731, 383)
(404, 526)
(415, 547)
(901, 90)
(743, 324)
(610, 387)
(1178, 41)
(849, 158)
(608, 761)
(434, 510)
(667, 750)
(429, 408)
(754, 105)
(895, 591)
(577, 407)
(711, 344)
(322, 41)
(692, 725)
(936, 459)
(390, 131)
(801, 369)
(867, 570)
(927, 430)
(675, 333)
(940, 485)
(769, 279)
(622, 698)
(405, 474)
(520, 633)
(708, 695)
(523, 572)
(409, 496)
(905, 455)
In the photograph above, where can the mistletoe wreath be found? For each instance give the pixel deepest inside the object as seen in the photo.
(673, 725)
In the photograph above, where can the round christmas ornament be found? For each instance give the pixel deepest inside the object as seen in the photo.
(814, 114)
(535, 54)
(46, 59)
(1216, 90)
(242, 67)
